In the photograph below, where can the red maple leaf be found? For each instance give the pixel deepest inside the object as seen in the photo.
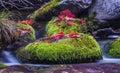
(82, 21)
(70, 22)
(30, 22)
(73, 35)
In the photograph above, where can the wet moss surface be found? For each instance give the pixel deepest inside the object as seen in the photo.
(69, 50)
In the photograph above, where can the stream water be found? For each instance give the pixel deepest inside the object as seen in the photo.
(106, 59)
(9, 59)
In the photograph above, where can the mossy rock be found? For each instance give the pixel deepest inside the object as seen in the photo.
(114, 48)
(52, 27)
(42, 11)
(2, 65)
(69, 50)
(27, 36)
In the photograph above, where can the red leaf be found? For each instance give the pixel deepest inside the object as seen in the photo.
(61, 17)
(37, 40)
(69, 22)
(82, 21)
(59, 24)
(73, 35)
(70, 15)
(67, 13)
(30, 22)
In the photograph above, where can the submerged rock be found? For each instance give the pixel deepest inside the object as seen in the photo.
(69, 50)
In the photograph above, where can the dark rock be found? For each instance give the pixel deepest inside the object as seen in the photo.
(71, 68)
(76, 6)
(16, 69)
(106, 9)
(105, 32)
(86, 68)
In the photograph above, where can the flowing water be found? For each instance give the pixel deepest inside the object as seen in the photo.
(9, 59)
(106, 59)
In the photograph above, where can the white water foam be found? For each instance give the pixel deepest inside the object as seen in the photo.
(10, 57)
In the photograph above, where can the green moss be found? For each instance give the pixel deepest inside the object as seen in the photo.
(2, 65)
(45, 8)
(52, 27)
(29, 36)
(69, 50)
(114, 48)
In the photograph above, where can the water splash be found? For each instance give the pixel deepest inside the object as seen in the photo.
(9, 57)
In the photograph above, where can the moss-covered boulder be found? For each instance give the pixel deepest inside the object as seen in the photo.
(26, 32)
(114, 48)
(53, 27)
(69, 50)
(12, 32)
(43, 11)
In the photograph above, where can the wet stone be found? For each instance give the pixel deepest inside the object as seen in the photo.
(71, 68)
(16, 69)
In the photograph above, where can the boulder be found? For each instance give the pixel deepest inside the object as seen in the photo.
(53, 27)
(12, 32)
(45, 12)
(86, 68)
(114, 48)
(69, 50)
(53, 8)
(16, 69)
(26, 35)
(105, 9)
(76, 6)
(70, 68)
